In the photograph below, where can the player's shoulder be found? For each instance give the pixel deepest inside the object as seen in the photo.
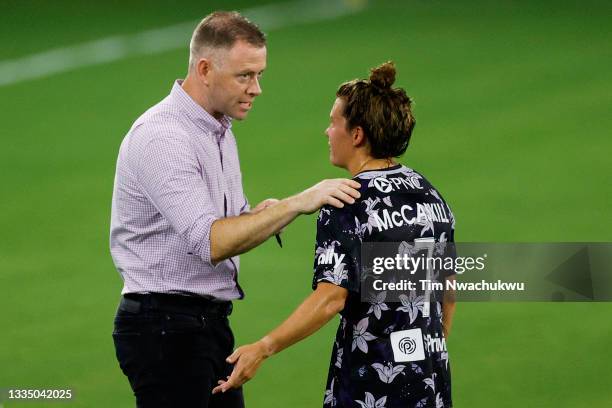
(374, 185)
(377, 186)
(328, 214)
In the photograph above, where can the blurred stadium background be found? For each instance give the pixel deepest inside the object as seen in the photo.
(513, 106)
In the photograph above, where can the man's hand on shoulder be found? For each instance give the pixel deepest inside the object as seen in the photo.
(235, 235)
(334, 192)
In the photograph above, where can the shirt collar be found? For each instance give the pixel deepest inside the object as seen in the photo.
(198, 114)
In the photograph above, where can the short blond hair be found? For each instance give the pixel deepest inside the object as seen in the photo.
(221, 29)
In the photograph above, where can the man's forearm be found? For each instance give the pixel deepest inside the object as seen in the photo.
(235, 235)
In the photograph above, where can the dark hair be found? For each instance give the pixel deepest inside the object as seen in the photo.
(222, 29)
(384, 113)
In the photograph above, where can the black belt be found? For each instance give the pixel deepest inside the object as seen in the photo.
(136, 302)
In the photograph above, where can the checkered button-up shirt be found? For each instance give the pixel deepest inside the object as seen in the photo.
(177, 172)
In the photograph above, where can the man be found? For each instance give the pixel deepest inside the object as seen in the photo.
(385, 355)
(180, 219)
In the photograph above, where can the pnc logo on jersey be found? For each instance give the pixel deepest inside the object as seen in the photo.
(407, 345)
(387, 185)
(383, 185)
(329, 257)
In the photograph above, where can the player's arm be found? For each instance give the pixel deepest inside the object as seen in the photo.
(448, 309)
(318, 309)
(236, 235)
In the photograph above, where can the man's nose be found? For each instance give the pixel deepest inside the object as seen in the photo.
(254, 89)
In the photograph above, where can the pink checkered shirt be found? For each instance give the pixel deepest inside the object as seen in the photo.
(177, 172)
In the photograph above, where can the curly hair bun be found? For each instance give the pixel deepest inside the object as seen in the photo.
(383, 76)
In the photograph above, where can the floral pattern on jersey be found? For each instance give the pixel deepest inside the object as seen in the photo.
(361, 336)
(336, 275)
(371, 402)
(430, 382)
(388, 372)
(372, 213)
(412, 304)
(377, 302)
(339, 354)
(329, 395)
(362, 369)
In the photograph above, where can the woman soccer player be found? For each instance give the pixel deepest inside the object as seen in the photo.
(385, 355)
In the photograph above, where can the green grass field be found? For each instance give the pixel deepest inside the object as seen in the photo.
(513, 107)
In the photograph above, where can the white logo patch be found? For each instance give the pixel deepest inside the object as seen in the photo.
(383, 185)
(407, 182)
(407, 345)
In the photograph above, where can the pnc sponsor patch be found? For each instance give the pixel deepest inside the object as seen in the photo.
(407, 345)
(389, 184)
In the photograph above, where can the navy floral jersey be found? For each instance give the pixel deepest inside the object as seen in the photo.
(386, 354)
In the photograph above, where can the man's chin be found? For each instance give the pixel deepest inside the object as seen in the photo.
(240, 115)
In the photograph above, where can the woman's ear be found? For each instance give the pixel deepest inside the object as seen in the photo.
(358, 136)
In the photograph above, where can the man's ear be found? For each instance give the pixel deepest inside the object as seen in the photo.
(358, 136)
(203, 68)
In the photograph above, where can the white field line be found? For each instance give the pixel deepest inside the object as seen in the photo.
(109, 49)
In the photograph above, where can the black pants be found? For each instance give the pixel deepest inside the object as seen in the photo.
(173, 348)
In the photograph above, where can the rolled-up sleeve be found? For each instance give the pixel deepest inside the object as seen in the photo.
(245, 207)
(168, 171)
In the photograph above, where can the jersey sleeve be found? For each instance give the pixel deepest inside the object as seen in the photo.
(337, 249)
